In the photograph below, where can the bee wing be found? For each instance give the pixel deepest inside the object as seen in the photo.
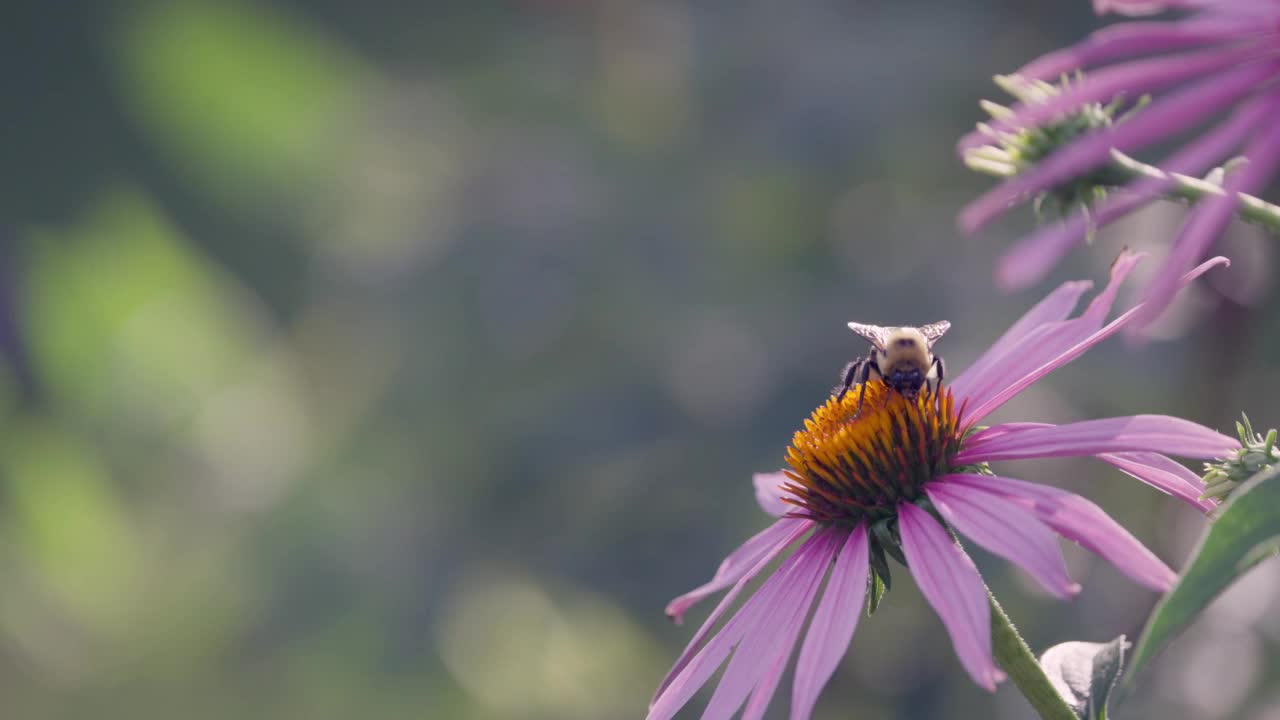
(933, 331)
(873, 333)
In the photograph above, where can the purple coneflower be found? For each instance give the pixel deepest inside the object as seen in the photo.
(892, 478)
(1222, 59)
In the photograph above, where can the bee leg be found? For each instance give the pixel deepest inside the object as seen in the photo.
(867, 366)
(847, 376)
(941, 369)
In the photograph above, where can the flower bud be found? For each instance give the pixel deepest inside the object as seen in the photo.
(1255, 455)
(1009, 152)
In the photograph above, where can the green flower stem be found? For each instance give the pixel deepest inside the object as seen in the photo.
(1015, 657)
(996, 162)
(1184, 187)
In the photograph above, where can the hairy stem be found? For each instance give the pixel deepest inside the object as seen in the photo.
(1015, 657)
(1184, 187)
(1122, 168)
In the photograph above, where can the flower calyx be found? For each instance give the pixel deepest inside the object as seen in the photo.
(1257, 453)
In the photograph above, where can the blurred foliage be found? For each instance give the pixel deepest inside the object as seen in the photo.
(246, 100)
(402, 360)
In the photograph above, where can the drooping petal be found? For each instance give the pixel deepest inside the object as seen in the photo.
(833, 624)
(733, 567)
(758, 703)
(1030, 259)
(777, 631)
(1155, 433)
(1017, 382)
(1006, 530)
(682, 685)
(699, 663)
(795, 531)
(769, 492)
(1163, 474)
(950, 582)
(1056, 306)
(1077, 519)
(1132, 39)
(1162, 118)
(1209, 220)
(1133, 78)
(1036, 346)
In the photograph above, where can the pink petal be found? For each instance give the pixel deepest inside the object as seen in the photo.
(1129, 7)
(796, 530)
(833, 624)
(1164, 117)
(1163, 474)
(1134, 79)
(1002, 429)
(950, 582)
(1209, 220)
(1006, 530)
(692, 676)
(1157, 433)
(1034, 347)
(1032, 258)
(1056, 306)
(778, 628)
(1015, 383)
(736, 565)
(1151, 7)
(760, 697)
(1075, 518)
(769, 493)
(1134, 38)
(691, 673)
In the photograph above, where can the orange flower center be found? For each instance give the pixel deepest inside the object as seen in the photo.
(848, 465)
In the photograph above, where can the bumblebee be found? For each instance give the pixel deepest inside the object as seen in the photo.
(901, 357)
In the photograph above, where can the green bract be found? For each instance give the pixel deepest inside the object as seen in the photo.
(1018, 150)
(1257, 454)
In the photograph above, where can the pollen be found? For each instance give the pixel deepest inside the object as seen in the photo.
(849, 465)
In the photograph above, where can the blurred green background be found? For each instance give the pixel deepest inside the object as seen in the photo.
(401, 360)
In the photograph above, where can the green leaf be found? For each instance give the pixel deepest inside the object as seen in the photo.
(1244, 533)
(1084, 674)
